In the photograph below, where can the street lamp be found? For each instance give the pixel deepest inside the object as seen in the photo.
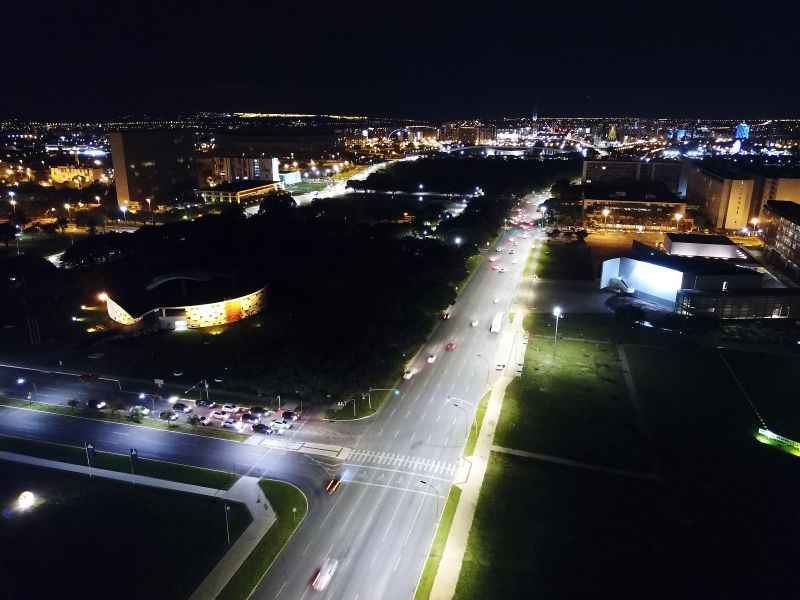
(678, 217)
(31, 395)
(124, 209)
(459, 403)
(606, 212)
(754, 223)
(557, 315)
(13, 204)
(457, 241)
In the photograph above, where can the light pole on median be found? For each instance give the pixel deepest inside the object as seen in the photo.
(557, 315)
(31, 395)
(227, 526)
(370, 390)
(435, 492)
(459, 403)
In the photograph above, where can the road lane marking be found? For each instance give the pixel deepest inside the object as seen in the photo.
(396, 433)
(280, 590)
(391, 520)
(399, 489)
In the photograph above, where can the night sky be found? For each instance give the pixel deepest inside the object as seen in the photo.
(426, 60)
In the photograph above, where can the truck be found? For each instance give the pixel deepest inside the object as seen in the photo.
(497, 323)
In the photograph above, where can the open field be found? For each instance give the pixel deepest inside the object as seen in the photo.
(544, 531)
(720, 525)
(564, 260)
(571, 402)
(95, 538)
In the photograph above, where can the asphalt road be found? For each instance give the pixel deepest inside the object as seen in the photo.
(381, 522)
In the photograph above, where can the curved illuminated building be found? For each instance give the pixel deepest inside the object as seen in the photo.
(184, 301)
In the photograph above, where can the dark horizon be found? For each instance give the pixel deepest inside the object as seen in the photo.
(95, 62)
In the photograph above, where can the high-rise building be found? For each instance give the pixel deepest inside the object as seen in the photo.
(154, 165)
(233, 168)
(742, 131)
(608, 171)
(727, 194)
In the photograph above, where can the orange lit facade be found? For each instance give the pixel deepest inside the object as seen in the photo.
(178, 318)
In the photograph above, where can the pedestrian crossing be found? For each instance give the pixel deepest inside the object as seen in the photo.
(390, 460)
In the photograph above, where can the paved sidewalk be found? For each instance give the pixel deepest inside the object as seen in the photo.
(444, 586)
(246, 491)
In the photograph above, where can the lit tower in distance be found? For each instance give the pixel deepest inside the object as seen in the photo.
(742, 131)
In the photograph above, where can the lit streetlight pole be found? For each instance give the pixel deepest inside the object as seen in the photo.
(754, 223)
(227, 526)
(557, 315)
(13, 204)
(124, 209)
(678, 217)
(31, 395)
(606, 212)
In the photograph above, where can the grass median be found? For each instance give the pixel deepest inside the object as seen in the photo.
(290, 506)
(475, 430)
(437, 549)
(112, 461)
(121, 417)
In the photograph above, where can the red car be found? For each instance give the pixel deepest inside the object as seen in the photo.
(445, 316)
(450, 346)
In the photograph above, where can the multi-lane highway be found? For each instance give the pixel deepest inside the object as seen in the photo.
(397, 468)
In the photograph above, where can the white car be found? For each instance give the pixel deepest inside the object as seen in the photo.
(325, 574)
(496, 300)
(431, 358)
(500, 366)
(280, 424)
(513, 262)
(492, 259)
(408, 374)
(474, 323)
(219, 414)
(140, 409)
(230, 408)
(498, 249)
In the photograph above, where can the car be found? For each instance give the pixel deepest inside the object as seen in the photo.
(496, 300)
(230, 408)
(206, 421)
(177, 373)
(498, 249)
(431, 358)
(219, 414)
(450, 346)
(206, 403)
(232, 424)
(500, 366)
(261, 428)
(88, 377)
(181, 407)
(280, 424)
(445, 315)
(168, 415)
(474, 323)
(513, 262)
(496, 267)
(140, 409)
(332, 485)
(96, 404)
(290, 415)
(250, 418)
(258, 410)
(324, 575)
(408, 374)
(512, 251)
(493, 259)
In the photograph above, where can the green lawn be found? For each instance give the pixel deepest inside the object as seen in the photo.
(439, 542)
(475, 430)
(304, 188)
(571, 402)
(543, 531)
(98, 538)
(121, 462)
(768, 379)
(122, 417)
(559, 260)
(283, 497)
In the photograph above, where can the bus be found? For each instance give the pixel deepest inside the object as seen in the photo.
(497, 323)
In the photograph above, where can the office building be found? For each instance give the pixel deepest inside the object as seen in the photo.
(782, 234)
(607, 171)
(704, 246)
(726, 194)
(233, 168)
(155, 165)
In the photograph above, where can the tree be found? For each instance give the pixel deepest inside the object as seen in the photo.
(194, 420)
(73, 404)
(7, 233)
(62, 222)
(116, 406)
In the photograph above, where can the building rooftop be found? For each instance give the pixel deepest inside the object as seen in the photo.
(784, 208)
(699, 238)
(630, 191)
(694, 264)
